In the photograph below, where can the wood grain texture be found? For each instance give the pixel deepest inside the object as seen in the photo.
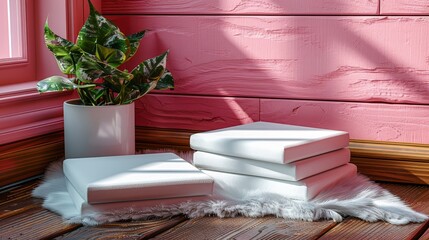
(22, 217)
(17, 199)
(404, 7)
(416, 196)
(425, 236)
(36, 223)
(157, 138)
(198, 113)
(392, 170)
(356, 229)
(369, 121)
(390, 150)
(125, 230)
(364, 59)
(275, 7)
(401, 162)
(246, 228)
(30, 157)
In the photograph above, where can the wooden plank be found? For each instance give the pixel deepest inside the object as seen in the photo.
(370, 121)
(404, 7)
(30, 157)
(19, 206)
(425, 236)
(393, 171)
(156, 138)
(246, 228)
(390, 150)
(36, 223)
(274, 7)
(364, 59)
(194, 112)
(17, 200)
(416, 196)
(21, 216)
(124, 230)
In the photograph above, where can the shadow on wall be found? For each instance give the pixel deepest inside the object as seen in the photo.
(247, 58)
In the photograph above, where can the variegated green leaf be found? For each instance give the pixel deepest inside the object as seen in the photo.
(111, 56)
(166, 81)
(93, 96)
(98, 30)
(55, 83)
(65, 52)
(135, 42)
(59, 83)
(147, 75)
(100, 48)
(90, 69)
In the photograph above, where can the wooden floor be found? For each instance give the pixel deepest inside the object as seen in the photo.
(22, 217)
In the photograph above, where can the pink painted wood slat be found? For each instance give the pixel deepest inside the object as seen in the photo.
(54, 11)
(194, 112)
(24, 113)
(365, 59)
(274, 7)
(404, 7)
(370, 121)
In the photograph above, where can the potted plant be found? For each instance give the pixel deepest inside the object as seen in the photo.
(101, 121)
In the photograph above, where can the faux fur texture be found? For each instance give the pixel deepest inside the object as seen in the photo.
(357, 197)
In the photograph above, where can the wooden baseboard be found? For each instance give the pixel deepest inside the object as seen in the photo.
(390, 161)
(30, 157)
(383, 161)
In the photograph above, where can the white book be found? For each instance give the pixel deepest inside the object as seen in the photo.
(290, 171)
(135, 177)
(271, 142)
(237, 186)
(84, 207)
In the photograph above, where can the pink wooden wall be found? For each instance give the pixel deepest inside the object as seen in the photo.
(358, 66)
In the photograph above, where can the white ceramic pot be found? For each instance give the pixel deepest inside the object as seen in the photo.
(91, 131)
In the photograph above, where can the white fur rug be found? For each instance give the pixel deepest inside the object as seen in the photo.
(357, 197)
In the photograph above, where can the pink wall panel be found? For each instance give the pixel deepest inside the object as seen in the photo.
(370, 121)
(30, 114)
(55, 11)
(367, 59)
(404, 7)
(193, 112)
(273, 7)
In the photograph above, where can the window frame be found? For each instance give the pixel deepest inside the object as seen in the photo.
(24, 113)
(17, 31)
(21, 69)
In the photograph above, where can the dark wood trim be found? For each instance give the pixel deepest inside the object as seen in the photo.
(30, 157)
(392, 161)
(390, 150)
(383, 161)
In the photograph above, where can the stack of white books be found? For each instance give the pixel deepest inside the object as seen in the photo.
(270, 158)
(99, 184)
